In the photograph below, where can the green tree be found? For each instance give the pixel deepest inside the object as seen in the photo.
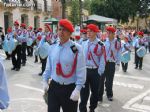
(144, 9)
(119, 9)
(74, 16)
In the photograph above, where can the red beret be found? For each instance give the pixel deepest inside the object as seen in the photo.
(66, 24)
(16, 23)
(23, 25)
(48, 27)
(9, 30)
(126, 37)
(93, 27)
(40, 29)
(111, 29)
(77, 37)
(141, 33)
(30, 27)
(83, 31)
(39, 38)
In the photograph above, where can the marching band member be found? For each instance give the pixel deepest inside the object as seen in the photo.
(139, 43)
(8, 36)
(36, 43)
(95, 56)
(16, 61)
(113, 55)
(126, 48)
(83, 35)
(23, 37)
(133, 44)
(66, 69)
(4, 96)
(31, 38)
(46, 39)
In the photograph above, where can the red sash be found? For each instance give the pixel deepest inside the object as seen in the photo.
(93, 60)
(59, 70)
(103, 51)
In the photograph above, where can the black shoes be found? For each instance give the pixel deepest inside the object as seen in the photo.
(7, 58)
(13, 68)
(17, 69)
(35, 61)
(100, 99)
(40, 74)
(23, 64)
(110, 98)
(140, 68)
(91, 111)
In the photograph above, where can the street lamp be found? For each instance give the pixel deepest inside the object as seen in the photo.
(137, 14)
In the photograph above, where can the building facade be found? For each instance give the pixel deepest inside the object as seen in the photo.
(57, 9)
(30, 12)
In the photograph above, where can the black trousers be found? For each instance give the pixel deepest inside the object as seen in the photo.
(135, 55)
(7, 55)
(16, 61)
(124, 66)
(92, 83)
(23, 52)
(59, 96)
(139, 62)
(108, 77)
(30, 50)
(43, 64)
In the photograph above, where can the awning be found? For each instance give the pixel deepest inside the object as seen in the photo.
(101, 19)
(51, 21)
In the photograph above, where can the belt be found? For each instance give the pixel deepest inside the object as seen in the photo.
(91, 67)
(111, 61)
(62, 84)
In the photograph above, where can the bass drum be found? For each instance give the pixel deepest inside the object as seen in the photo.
(141, 52)
(5, 45)
(43, 50)
(12, 44)
(29, 42)
(125, 57)
(36, 51)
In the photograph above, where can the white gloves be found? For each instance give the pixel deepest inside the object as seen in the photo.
(45, 86)
(75, 95)
(117, 67)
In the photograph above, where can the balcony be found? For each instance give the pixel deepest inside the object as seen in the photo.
(38, 7)
(26, 6)
(8, 4)
(49, 9)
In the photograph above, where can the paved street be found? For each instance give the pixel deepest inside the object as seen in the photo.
(131, 89)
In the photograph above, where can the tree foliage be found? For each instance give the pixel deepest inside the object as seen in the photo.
(119, 9)
(74, 8)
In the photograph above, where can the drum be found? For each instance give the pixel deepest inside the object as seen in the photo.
(29, 42)
(5, 45)
(12, 43)
(36, 51)
(43, 50)
(125, 57)
(141, 52)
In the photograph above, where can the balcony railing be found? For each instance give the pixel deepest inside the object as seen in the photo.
(49, 8)
(38, 7)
